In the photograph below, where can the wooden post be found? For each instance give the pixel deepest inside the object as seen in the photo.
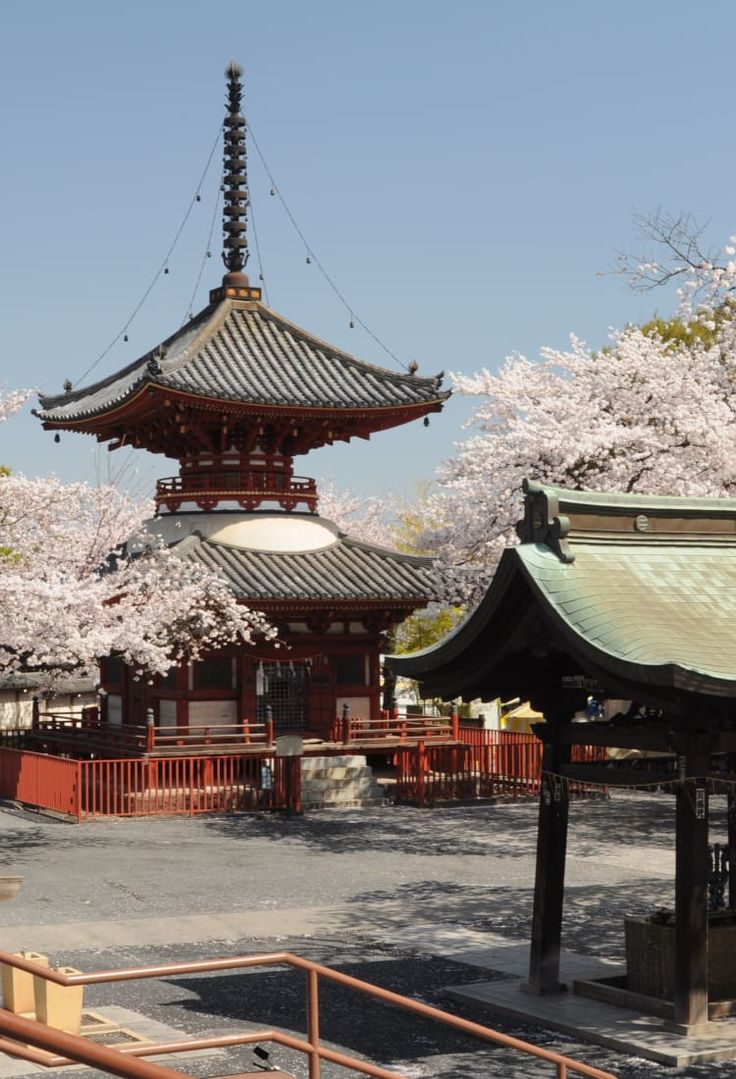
(455, 723)
(270, 726)
(549, 884)
(691, 886)
(294, 772)
(346, 731)
(731, 837)
(35, 713)
(419, 761)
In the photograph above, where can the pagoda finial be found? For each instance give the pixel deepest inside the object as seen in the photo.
(235, 180)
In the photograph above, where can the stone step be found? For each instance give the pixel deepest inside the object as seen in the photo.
(336, 774)
(326, 784)
(339, 781)
(347, 760)
(343, 798)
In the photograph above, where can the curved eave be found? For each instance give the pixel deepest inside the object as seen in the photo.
(380, 417)
(465, 659)
(470, 657)
(241, 357)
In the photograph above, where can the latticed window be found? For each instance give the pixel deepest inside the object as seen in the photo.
(283, 688)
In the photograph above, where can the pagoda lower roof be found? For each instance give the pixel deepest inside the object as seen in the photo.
(248, 358)
(347, 571)
(639, 592)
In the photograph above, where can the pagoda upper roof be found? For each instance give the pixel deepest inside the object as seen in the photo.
(251, 361)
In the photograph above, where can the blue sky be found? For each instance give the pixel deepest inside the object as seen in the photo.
(464, 171)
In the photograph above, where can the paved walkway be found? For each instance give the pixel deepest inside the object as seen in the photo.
(452, 884)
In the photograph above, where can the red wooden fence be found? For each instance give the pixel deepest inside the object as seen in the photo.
(48, 782)
(144, 788)
(489, 763)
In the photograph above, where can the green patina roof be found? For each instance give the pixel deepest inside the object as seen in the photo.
(641, 589)
(648, 604)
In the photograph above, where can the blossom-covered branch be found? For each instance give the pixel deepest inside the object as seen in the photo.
(653, 413)
(80, 578)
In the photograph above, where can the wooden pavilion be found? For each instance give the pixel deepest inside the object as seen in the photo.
(235, 395)
(624, 597)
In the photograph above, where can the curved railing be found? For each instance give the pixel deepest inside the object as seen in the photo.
(248, 488)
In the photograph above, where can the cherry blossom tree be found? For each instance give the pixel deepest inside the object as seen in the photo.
(80, 578)
(653, 412)
(361, 517)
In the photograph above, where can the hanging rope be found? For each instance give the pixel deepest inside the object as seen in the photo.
(207, 254)
(312, 258)
(163, 268)
(261, 274)
(714, 785)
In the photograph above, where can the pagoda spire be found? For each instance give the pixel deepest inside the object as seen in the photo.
(235, 182)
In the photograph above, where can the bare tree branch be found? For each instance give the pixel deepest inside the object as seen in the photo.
(674, 248)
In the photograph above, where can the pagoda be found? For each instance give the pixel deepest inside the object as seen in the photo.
(234, 396)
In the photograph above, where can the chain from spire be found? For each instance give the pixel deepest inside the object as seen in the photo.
(235, 177)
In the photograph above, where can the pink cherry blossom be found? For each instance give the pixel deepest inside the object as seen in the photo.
(643, 415)
(80, 578)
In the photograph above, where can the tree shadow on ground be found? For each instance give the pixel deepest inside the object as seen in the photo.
(625, 819)
(348, 1018)
(593, 919)
(455, 830)
(17, 847)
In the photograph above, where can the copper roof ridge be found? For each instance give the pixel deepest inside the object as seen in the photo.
(622, 500)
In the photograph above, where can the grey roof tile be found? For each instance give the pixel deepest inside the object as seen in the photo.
(347, 570)
(245, 352)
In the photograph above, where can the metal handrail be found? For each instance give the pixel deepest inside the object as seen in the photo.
(59, 1042)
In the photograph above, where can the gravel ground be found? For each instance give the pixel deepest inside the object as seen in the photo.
(378, 871)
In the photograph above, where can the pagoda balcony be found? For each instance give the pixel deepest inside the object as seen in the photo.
(250, 489)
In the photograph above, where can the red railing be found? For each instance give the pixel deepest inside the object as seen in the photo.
(347, 728)
(247, 487)
(137, 787)
(487, 764)
(49, 782)
(88, 733)
(42, 1045)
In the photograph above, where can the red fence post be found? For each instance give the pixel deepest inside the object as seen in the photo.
(270, 727)
(420, 757)
(455, 721)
